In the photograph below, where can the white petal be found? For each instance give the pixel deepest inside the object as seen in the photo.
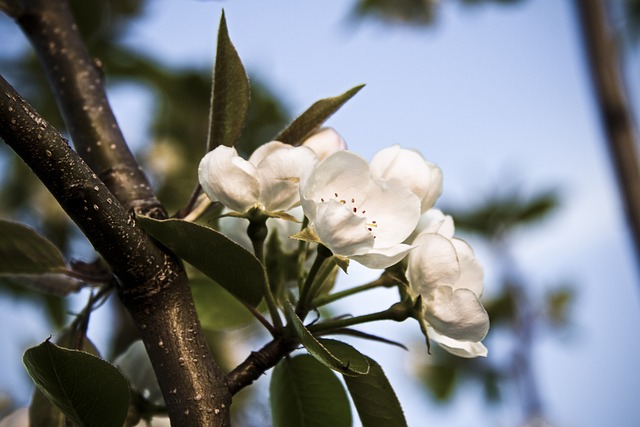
(457, 314)
(392, 212)
(432, 263)
(280, 173)
(434, 221)
(227, 177)
(325, 142)
(343, 173)
(383, 257)
(264, 150)
(340, 230)
(410, 169)
(471, 272)
(458, 348)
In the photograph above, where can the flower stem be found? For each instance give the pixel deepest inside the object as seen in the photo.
(327, 299)
(257, 232)
(302, 308)
(398, 312)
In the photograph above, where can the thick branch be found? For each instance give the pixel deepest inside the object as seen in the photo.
(78, 84)
(153, 285)
(613, 106)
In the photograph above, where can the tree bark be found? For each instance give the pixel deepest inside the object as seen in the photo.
(613, 107)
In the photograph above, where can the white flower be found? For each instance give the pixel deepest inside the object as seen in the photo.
(409, 168)
(325, 142)
(269, 180)
(355, 215)
(445, 272)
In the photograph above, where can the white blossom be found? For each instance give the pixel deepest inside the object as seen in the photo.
(355, 215)
(325, 142)
(268, 181)
(445, 272)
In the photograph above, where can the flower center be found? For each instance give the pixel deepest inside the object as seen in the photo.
(351, 202)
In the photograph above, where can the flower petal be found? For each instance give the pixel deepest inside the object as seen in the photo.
(280, 173)
(260, 153)
(325, 142)
(383, 257)
(227, 177)
(471, 272)
(410, 169)
(458, 348)
(434, 221)
(340, 230)
(456, 314)
(392, 212)
(432, 263)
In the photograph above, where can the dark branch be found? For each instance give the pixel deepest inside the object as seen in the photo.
(258, 363)
(613, 106)
(78, 84)
(153, 285)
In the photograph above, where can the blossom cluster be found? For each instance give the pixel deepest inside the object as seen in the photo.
(376, 213)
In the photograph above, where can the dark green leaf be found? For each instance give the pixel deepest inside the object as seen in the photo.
(331, 353)
(304, 393)
(311, 120)
(375, 400)
(211, 252)
(87, 389)
(229, 95)
(217, 308)
(24, 251)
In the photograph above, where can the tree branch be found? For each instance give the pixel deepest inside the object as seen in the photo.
(613, 107)
(78, 84)
(152, 283)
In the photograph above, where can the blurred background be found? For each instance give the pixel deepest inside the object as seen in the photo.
(497, 93)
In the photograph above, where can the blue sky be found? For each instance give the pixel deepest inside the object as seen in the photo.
(494, 95)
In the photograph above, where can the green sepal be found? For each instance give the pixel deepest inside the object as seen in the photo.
(307, 234)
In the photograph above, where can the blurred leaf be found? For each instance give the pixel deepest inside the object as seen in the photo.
(558, 302)
(24, 251)
(414, 12)
(441, 380)
(304, 393)
(311, 120)
(501, 214)
(633, 18)
(502, 307)
(136, 366)
(230, 93)
(211, 252)
(216, 307)
(331, 353)
(87, 389)
(374, 398)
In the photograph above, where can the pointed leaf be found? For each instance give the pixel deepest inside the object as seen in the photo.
(311, 120)
(214, 254)
(87, 389)
(25, 251)
(331, 353)
(306, 394)
(229, 95)
(375, 400)
(217, 308)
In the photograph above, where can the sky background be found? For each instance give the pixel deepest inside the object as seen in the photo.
(498, 97)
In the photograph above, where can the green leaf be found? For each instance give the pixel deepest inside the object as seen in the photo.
(375, 400)
(333, 354)
(214, 254)
(311, 120)
(87, 389)
(229, 95)
(25, 251)
(217, 308)
(306, 394)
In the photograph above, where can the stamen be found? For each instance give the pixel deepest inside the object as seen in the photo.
(355, 210)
